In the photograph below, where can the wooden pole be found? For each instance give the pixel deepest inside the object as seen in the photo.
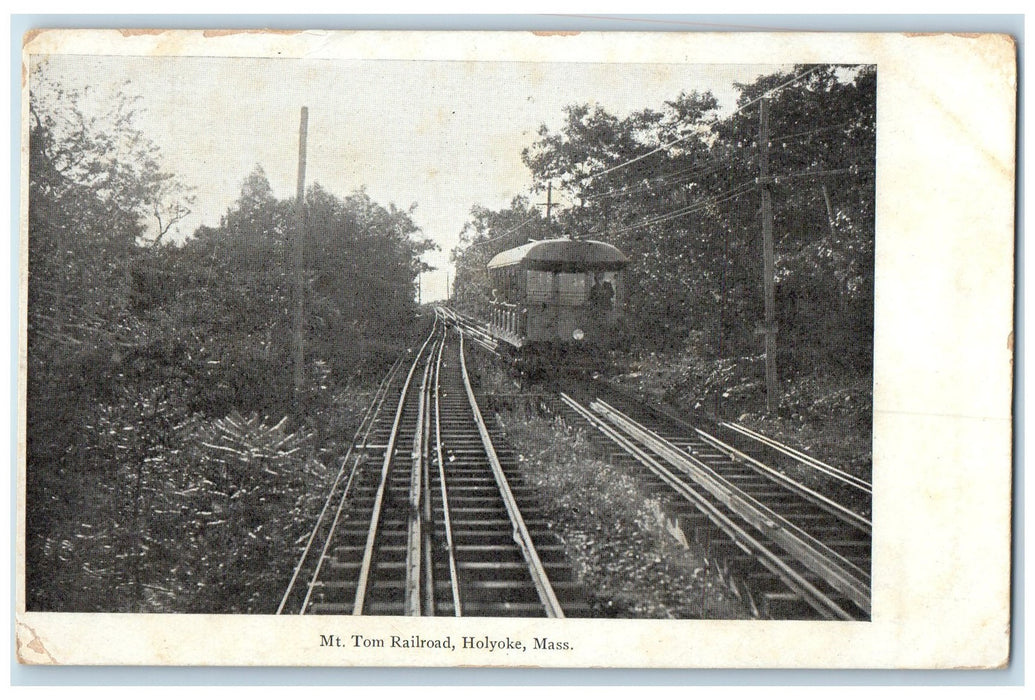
(549, 206)
(549, 202)
(769, 329)
(298, 260)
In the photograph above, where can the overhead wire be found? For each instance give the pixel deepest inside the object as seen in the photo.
(739, 109)
(854, 170)
(737, 191)
(689, 173)
(674, 174)
(741, 189)
(504, 235)
(676, 178)
(714, 163)
(636, 188)
(832, 127)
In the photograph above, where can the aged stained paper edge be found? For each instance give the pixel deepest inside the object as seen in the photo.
(942, 394)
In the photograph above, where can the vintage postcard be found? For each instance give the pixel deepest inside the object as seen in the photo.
(508, 349)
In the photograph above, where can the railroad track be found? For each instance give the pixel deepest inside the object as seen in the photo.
(471, 328)
(789, 550)
(431, 517)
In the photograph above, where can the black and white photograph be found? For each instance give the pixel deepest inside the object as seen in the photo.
(340, 333)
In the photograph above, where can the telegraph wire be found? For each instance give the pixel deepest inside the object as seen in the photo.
(504, 235)
(737, 191)
(677, 178)
(853, 170)
(741, 189)
(832, 127)
(739, 109)
(713, 164)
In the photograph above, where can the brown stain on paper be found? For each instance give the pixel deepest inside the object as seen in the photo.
(212, 33)
(139, 32)
(27, 39)
(964, 35)
(30, 35)
(35, 645)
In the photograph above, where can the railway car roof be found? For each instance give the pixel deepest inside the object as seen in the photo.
(562, 255)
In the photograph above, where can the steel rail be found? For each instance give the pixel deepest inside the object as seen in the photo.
(836, 509)
(794, 580)
(344, 497)
(365, 423)
(429, 522)
(520, 533)
(472, 328)
(833, 507)
(375, 518)
(447, 522)
(835, 569)
(414, 538)
(803, 458)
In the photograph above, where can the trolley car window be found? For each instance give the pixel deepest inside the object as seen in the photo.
(572, 288)
(503, 284)
(567, 288)
(540, 286)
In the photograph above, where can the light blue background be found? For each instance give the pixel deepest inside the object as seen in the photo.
(28, 675)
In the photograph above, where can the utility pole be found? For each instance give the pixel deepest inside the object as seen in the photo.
(548, 204)
(298, 261)
(419, 301)
(449, 294)
(769, 329)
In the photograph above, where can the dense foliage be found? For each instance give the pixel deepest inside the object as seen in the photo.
(676, 189)
(171, 464)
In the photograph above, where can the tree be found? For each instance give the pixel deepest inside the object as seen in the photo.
(79, 153)
(822, 156)
(486, 234)
(628, 181)
(364, 260)
(139, 351)
(93, 180)
(675, 189)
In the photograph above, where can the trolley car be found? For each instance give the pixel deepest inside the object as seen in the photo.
(558, 300)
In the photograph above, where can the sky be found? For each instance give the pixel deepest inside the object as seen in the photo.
(444, 135)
